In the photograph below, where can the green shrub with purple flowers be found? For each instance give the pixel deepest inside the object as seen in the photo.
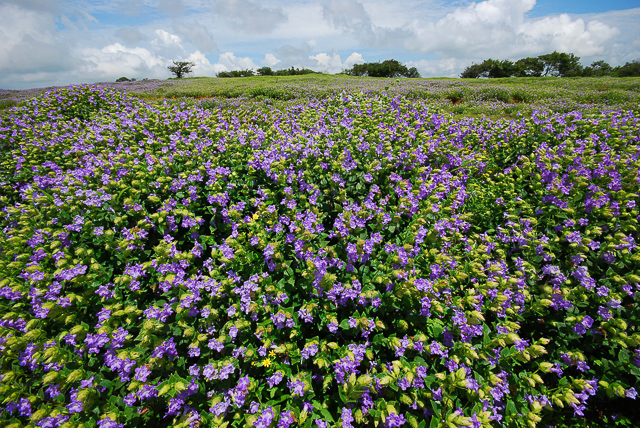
(358, 260)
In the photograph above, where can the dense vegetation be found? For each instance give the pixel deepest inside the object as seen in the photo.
(266, 71)
(344, 253)
(388, 68)
(557, 64)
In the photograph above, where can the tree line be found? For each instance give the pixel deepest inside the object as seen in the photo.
(388, 68)
(558, 64)
(266, 71)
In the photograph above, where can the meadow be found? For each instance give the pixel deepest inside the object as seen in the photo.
(320, 251)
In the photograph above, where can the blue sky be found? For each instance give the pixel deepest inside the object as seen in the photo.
(49, 42)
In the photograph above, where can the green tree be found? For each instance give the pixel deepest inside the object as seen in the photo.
(601, 68)
(629, 69)
(561, 64)
(491, 68)
(529, 67)
(265, 71)
(475, 71)
(180, 68)
(387, 68)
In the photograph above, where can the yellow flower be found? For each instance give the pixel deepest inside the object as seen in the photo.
(272, 353)
(266, 362)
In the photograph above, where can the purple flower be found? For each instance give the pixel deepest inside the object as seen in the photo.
(608, 257)
(347, 418)
(296, 387)
(395, 420)
(275, 379)
(130, 399)
(108, 423)
(286, 419)
(320, 423)
(631, 393)
(265, 418)
(141, 373)
(309, 351)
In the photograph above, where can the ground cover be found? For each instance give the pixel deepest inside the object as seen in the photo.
(352, 255)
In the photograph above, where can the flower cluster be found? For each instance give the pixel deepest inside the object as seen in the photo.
(358, 259)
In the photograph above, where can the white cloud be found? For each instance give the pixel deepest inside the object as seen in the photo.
(332, 63)
(354, 58)
(350, 16)
(29, 42)
(500, 28)
(164, 39)
(564, 34)
(197, 34)
(116, 60)
(228, 62)
(270, 60)
(249, 17)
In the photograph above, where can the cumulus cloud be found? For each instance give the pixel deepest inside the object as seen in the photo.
(501, 28)
(164, 39)
(115, 60)
(564, 34)
(350, 16)
(270, 60)
(248, 16)
(228, 62)
(29, 43)
(332, 63)
(197, 34)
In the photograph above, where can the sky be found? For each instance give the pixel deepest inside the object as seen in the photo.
(55, 42)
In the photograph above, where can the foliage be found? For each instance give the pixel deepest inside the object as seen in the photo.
(358, 259)
(236, 73)
(125, 79)
(629, 69)
(265, 71)
(388, 68)
(561, 64)
(180, 68)
(558, 64)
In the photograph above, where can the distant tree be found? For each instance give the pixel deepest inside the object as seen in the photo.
(412, 73)
(504, 68)
(125, 79)
(492, 68)
(358, 70)
(529, 67)
(630, 69)
(388, 68)
(180, 68)
(475, 71)
(236, 73)
(601, 68)
(265, 71)
(561, 64)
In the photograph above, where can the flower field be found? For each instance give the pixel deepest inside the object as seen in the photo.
(342, 257)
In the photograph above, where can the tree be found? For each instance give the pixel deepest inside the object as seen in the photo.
(265, 71)
(388, 68)
(529, 67)
(628, 70)
(601, 68)
(475, 71)
(561, 64)
(180, 68)
(492, 68)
